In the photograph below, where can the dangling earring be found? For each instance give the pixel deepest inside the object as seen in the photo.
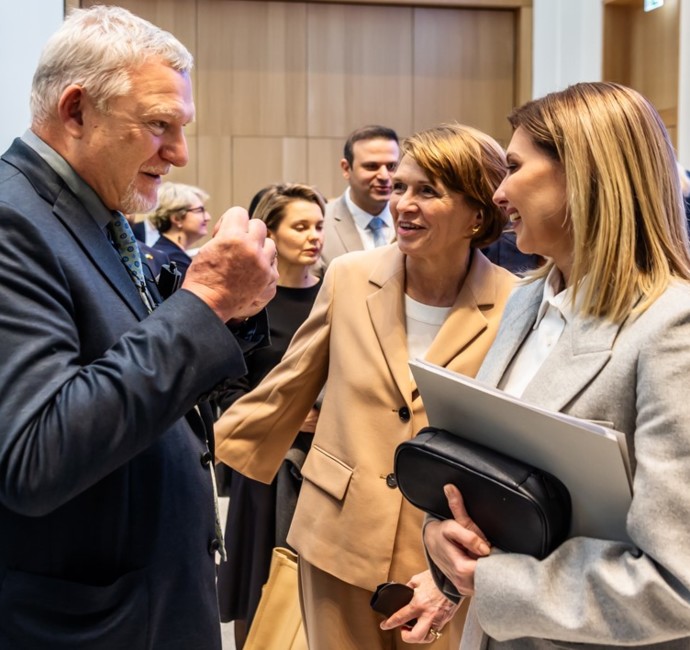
(179, 235)
(477, 226)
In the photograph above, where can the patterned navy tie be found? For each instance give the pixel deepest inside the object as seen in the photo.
(126, 245)
(376, 226)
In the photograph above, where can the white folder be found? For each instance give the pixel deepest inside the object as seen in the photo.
(590, 459)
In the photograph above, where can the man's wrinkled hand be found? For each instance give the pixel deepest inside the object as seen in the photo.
(235, 273)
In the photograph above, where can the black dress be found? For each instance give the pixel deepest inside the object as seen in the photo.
(251, 531)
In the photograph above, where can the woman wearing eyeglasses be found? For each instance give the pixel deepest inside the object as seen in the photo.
(181, 219)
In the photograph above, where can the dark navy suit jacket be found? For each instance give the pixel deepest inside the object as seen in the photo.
(174, 253)
(504, 252)
(152, 258)
(106, 508)
(139, 230)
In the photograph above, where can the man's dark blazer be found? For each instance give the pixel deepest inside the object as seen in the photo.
(504, 252)
(106, 507)
(139, 230)
(152, 258)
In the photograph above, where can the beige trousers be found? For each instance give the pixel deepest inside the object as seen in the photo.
(337, 616)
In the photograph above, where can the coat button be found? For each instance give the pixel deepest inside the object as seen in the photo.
(206, 459)
(213, 546)
(391, 481)
(404, 414)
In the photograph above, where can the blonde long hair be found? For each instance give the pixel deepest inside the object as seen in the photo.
(624, 202)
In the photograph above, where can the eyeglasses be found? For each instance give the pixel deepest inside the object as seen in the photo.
(200, 210)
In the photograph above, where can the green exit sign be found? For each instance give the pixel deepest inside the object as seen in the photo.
(653, 4)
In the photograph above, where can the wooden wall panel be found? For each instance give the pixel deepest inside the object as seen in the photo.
(451, 82)
(251, 68)
(175, 16)
(215, 171)
(257, 162)
(214, 68)
(359, 67)
(654, 55)
(323, 166)
(524, 27)
(641, 50)
(279, 84)
(617, 44)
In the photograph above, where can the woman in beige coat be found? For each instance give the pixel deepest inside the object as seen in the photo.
(433, 295)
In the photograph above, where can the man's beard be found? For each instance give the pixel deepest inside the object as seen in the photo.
(134, 202)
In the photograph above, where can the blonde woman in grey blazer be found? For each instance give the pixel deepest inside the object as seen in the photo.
(602, 333)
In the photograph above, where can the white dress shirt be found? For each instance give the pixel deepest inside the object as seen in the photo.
(362, 219)
(554, 312)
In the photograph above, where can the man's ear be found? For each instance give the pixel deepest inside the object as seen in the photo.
(71, 110)
(345, 166)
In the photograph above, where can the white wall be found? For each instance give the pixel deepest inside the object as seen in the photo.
(568, 43)
(25, 26)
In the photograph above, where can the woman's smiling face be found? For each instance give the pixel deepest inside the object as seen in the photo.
(430, 220)
(533, 195)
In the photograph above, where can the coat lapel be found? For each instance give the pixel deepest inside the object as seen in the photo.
(465, 320)
(95, 244)
(386, 307)
(517, 320)
(344, 224)
(71, 213)
(584, 349)
(463, 324)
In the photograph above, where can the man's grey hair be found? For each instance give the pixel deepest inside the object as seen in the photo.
(96, 48)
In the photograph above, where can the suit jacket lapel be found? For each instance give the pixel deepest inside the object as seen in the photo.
(345, 226)
(518, 318)
(98, 248)
(71, 213)
(584, 349)
(463, 324)
(465, 320)
(386, 306)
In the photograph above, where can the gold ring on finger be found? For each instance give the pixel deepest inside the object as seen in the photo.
(435, 633)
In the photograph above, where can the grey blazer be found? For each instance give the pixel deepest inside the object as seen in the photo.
(607, 594)
(340, 233)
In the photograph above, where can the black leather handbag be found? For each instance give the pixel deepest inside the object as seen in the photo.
(519, 508)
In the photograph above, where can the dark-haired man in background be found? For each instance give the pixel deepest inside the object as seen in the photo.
(359, 218)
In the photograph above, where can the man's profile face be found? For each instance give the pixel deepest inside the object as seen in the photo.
(124, 153)
(373, 164)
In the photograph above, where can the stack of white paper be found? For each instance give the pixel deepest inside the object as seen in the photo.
(590, 459)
